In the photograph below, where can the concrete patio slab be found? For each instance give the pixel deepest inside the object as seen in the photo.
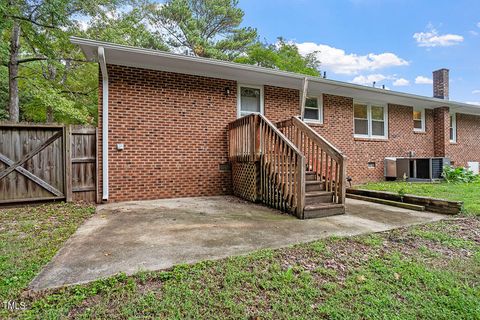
(152, 235)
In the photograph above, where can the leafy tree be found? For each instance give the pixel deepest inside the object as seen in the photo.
(282, 56)
(36, 31)
(47, 75)
(205, 28)
(129, 27)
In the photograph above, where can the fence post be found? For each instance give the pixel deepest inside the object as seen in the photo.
(67, 140)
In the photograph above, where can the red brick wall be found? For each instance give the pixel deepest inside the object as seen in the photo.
(441, 130)
(281, 103)
(338, 129)
(467, 147)
(173, 127)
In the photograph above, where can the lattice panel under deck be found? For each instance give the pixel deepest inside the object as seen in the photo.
(245, 180)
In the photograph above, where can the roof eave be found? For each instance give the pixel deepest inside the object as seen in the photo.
(90, 47)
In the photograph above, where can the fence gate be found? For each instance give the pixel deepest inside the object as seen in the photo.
(83, 160)
(46, 162)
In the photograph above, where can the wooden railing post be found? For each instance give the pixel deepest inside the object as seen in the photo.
(301, 187)
(257, 136)
(251, 122)
(342, 180)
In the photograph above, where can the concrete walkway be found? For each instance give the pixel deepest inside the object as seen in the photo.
(151, 235)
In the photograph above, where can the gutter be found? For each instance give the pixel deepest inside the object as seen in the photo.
(103, 67)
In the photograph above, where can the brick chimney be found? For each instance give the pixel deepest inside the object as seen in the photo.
(440, 84)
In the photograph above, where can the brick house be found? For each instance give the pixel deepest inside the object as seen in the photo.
(169, 118)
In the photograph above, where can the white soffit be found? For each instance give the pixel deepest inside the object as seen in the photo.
(247, 74)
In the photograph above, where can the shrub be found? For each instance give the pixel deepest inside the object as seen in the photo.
(459, 174)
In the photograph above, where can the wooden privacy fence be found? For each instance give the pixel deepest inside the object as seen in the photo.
(266, 166)
(328, 163)
(47, 162)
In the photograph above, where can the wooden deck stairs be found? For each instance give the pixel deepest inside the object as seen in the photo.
(287, 166)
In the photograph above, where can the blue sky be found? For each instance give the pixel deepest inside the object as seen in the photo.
(393, 42)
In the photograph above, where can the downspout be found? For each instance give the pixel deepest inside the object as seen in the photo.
(103, 67)
(303, 98)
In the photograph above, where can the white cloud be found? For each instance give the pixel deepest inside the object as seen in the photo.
(401, 82)
(478, 24)
(423, 80)
(431, 38)
(369, 79)
(476, 92)
(477, 103)
(340, 62)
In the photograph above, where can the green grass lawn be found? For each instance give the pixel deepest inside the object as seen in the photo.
(428, 271)
(469, 193)
(29, 238)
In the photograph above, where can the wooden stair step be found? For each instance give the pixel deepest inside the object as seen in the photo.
(314, 186)
(314, 197)
(310, 176)
(321, 210)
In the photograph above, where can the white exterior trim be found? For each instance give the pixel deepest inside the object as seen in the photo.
(422, 111)
(239, 97)
(320, 109)
(454, 126)
(103, 67)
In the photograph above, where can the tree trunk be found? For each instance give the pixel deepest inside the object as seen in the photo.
(13, 108)
(52, 75)
(49, 114)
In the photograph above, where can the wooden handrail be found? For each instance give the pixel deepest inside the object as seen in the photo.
(312, 134)
(254, 138)
(322, 157)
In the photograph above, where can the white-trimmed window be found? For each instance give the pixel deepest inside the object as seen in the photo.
(250, 100)
(418, 120)
(313, 109)
(370, 120)
(453, 127)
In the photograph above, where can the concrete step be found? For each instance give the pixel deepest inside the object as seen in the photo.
(323, 210)
(314, 186)
(315, 197)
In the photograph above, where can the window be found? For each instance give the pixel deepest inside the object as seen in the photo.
(419, 120)
(453, 127)
(314, 109)
(250, 100)
(360, 114)
(370, 120)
